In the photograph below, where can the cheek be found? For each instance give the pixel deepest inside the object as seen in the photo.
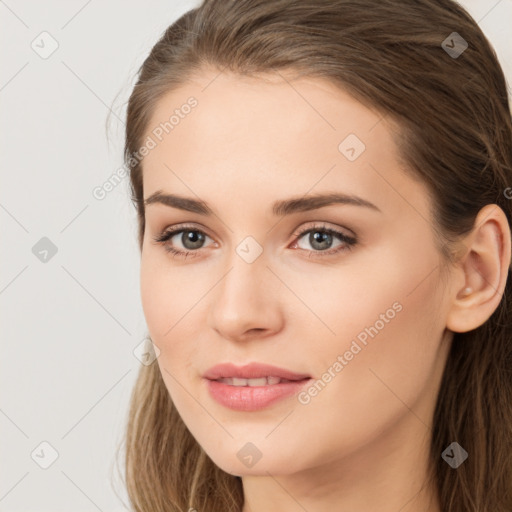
(171, 299)
(385, 354)
(153, 297)
(163, 308)
(167, 292)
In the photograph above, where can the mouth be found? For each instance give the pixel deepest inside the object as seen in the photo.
(252, 387)
(262, 381)
(252, 372)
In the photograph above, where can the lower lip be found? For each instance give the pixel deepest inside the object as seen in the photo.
(252, 398)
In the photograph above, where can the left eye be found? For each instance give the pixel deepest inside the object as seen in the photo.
(320, 239)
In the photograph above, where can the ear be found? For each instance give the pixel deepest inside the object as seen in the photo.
(482, 270)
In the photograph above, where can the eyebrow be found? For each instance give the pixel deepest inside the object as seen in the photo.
(279, 208)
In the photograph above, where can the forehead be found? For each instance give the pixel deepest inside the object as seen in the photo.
(269, 136)
(263, 109)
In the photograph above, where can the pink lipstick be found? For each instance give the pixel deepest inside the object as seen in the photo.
(252, 387)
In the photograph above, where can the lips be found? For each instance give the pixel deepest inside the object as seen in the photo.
(253, 371)
(253, 387)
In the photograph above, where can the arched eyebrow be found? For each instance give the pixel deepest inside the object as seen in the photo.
(280, 208)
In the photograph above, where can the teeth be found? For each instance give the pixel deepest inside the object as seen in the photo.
(262, 381)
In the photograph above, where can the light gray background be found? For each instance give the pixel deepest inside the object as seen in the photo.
(70, 324)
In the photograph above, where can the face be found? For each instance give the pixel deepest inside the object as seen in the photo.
(347, 293)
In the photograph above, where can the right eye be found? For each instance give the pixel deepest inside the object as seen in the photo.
(191, 239)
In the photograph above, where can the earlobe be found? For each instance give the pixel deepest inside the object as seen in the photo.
(484, 267)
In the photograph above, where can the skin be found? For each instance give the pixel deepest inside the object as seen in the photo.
(362, 442)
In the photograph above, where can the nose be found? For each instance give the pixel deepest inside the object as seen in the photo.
(246, 302)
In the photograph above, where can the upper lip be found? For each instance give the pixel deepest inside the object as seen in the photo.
(251, 371)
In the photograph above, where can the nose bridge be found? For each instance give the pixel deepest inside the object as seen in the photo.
(247, 273)
(245, 298)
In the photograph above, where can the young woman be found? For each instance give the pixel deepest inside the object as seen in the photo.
(324, 200)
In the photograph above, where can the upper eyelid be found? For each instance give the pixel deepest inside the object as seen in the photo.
(324, 226)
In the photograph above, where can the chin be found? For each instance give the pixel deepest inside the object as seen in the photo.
(233, 466)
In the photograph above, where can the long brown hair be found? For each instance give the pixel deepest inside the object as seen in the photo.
(455, 136)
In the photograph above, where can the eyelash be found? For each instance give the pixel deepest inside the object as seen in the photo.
(348, 241)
